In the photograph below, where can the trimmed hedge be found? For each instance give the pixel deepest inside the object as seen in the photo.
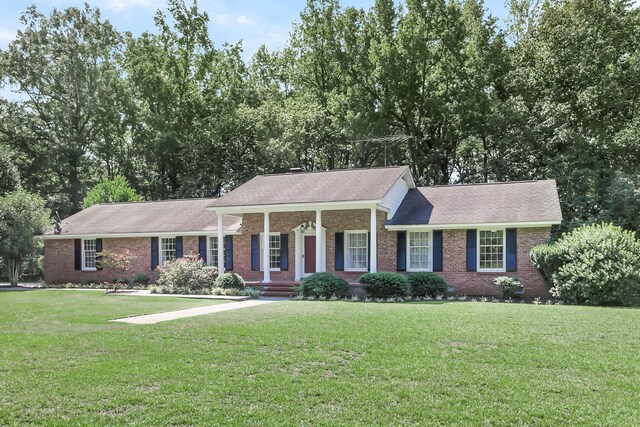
(323, 284)
(230, 281)
(385, 285)
(427, 284)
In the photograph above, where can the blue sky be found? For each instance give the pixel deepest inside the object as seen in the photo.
(256, 22)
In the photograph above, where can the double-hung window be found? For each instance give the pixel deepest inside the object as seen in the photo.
(212, 259)
(89, 254)
(356, 250)
(419, 251)
(167, 249)
(491, 250)
(274, 251)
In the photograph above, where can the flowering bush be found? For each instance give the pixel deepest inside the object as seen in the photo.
(188, 274)
(116, 264)
(508, 285)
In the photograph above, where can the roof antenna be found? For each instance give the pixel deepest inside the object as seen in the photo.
(57, 228)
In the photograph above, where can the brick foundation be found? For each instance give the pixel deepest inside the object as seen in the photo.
(59, 254)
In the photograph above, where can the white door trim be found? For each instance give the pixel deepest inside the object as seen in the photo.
(299, 247)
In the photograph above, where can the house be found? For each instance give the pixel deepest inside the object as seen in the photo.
(279, 228)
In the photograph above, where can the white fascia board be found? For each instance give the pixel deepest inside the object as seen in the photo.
(294, 207)
(134, 235)
(477, 225)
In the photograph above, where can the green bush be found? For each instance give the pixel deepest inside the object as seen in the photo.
(230, 281)
(600, 266)
(323, 284)
(385, 285)
(141, 279)
(187, 273)
(509, 285)
(547, 259)
(427, 284)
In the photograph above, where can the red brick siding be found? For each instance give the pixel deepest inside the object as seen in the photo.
(59, 254)
(59, 258)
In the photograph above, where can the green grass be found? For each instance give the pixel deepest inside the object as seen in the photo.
(315, 363)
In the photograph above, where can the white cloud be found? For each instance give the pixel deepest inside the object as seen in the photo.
(6, 35)
(118, 5)
(222, 19)
(245, 20)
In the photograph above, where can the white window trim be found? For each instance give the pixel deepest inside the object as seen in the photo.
(504, 251)
(161, 259)
(408, 255)
(271, 233)
(346, 249)
(84, 267)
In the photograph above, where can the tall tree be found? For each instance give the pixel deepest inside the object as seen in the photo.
(64, 66)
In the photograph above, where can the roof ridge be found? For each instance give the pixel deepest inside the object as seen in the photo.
(332, 170)
(470, 184)
(156, 201)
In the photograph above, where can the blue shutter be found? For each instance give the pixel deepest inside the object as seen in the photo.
(154, 253)
(98, 254)
(471, 250)
(255, 252)
(437, 250)
(401, 251)
(228, 253)
(178, 247)
(284, 252)
(77, 250)
(339, 251)
(512, 249)
(202, 248)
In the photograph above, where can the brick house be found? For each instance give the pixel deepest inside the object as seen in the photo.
(346, 222)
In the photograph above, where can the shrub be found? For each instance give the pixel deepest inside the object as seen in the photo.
(323, 284)
(547, 259)
(427, 284)
(384, 285)
(141, 279)
(600, 266)
(186, 274)
(509, 285)
(230, 281)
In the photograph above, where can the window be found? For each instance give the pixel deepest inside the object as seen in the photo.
(419, 251)
(356, 250)
(491, 250)
(212, 258)
(89, 254)
(274, 251)
(167, 249)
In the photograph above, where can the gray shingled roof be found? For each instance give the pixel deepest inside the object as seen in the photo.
(188, 215)
(529, 201)
(314, 187)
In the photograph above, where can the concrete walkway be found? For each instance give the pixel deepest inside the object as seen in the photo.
(190, 312)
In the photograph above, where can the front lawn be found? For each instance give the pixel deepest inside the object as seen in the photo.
(315, 363)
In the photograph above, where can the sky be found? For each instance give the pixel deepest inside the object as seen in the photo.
(255, 22)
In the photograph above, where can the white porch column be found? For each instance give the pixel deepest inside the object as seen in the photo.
(319, 266)
(373, 267)
(265, 253)
(220, 244)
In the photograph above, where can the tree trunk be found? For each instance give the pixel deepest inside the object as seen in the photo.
(13, 268)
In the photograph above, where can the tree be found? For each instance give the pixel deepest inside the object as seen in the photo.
(22, 216)
(111, 191)
(65, 66)
(9, 175)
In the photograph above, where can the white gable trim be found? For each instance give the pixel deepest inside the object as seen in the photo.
(394, 197)
(476, 225)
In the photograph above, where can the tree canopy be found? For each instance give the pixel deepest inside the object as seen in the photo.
(439, 85)
(110, 191)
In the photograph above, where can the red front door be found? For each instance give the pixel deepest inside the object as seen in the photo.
(309, 254)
